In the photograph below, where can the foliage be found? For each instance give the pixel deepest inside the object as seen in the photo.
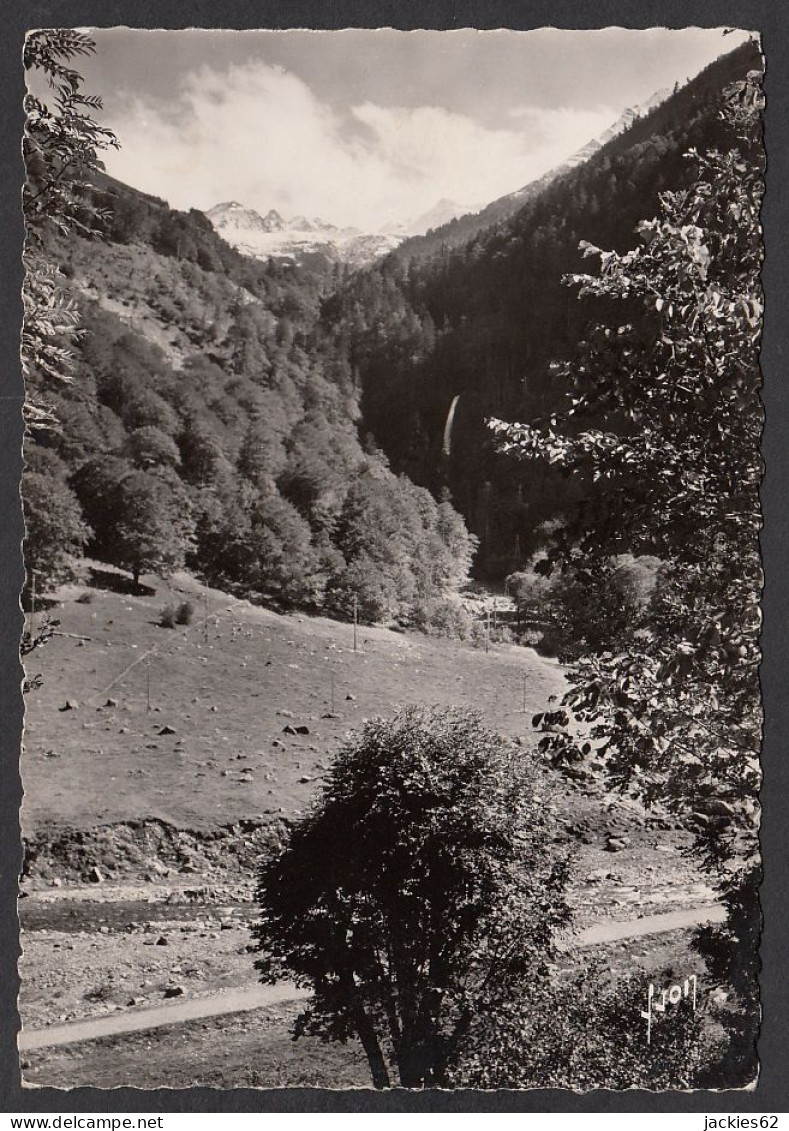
(185, 612)
(584, 1031)
(400, 547)
(61, 147)
(424, 875)
(55, 533)
(588, 604)
(142, 520)
(674, 712)
(441, 618)
(258, 427)
(149, 447)
(167, 617)
(172, 615)
(33, 638)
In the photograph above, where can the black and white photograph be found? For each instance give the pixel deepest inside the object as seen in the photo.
(393, 587)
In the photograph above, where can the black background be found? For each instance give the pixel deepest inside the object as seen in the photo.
(771, 19)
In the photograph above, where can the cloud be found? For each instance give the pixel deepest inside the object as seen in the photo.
(257, 133)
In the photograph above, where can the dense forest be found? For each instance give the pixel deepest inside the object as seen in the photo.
(212, 420)
(481, 313)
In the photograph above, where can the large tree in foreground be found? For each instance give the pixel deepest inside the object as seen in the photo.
(426, 872)
(665, 419)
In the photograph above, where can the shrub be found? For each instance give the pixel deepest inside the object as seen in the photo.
(501, 634)
(441, 618)
(531, 638)
(85, 598)
(185, 612)
(585, 1031)
(167, 617)
(478, 635)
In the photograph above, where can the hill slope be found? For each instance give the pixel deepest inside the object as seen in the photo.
(481, 315)
(232, 690)
(212, 419)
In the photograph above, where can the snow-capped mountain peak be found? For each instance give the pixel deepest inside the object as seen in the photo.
(274, 236)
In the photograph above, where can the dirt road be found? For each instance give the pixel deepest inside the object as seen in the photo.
(613, 931)
(239, 1000)
(255, 996)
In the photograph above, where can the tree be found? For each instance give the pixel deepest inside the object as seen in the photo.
(201, 453)
(149, 447)
(142, 520)
(261, 456)
(287, 568)
(55, 532)
(61, 148)
(665, 420)
(154, 528)
(426, 872)
(399, 546)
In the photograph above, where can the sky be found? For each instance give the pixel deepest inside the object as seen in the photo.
(370, 127)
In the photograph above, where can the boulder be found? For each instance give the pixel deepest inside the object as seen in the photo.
(69, 705)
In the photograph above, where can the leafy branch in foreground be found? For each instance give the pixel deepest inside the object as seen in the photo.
(61, 148)
(665, 419)
(663, 427)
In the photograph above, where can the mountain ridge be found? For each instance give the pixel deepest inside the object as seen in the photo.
(503, 207)
(297, 238)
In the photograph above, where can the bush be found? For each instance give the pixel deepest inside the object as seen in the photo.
(85, 598)
(585, 1031)
(171, 615)
(167, 617)
(441, 618)
(501, 634)
(478, 635)
(531, 638)
(185, 612)
(593, 605)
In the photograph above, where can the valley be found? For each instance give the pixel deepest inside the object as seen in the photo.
(392, 603)
(139, 881)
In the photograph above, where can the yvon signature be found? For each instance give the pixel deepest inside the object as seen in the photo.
(658, 1001)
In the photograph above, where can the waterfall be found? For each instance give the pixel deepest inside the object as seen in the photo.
(448, 426)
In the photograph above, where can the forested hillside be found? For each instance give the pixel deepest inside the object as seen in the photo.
(482, 314)
(213, 420)
(284, 429)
